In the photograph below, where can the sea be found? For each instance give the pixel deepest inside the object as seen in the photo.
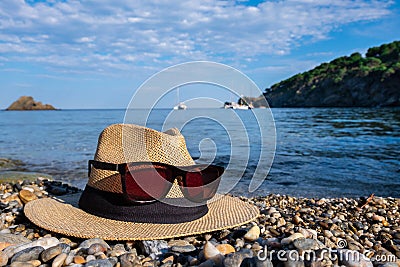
(303, 152)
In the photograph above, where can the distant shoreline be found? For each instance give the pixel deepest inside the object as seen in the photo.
(94, 109)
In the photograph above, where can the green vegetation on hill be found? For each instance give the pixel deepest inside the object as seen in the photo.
(370, 81)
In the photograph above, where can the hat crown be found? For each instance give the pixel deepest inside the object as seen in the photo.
(123, 143)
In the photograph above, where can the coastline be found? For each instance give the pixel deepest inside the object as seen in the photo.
(326, 229)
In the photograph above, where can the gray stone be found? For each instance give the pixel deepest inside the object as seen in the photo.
(256, 262)
(293, 263)
(96, 248)
(21, 264)
(70, 257)
(113, 260)
(59, 260)
(90, 258)
(99, 263)
(87, 243)
(118, 250)
(288, 240)
(51, 253)
(27, 254)
(306, 244)
(183, 249)
(3, 258)
(352, 258)
(45, 243)
(13, 239)
(235, 259)
(154, 248)
(207, 263)
(389, 264)
(128, 260)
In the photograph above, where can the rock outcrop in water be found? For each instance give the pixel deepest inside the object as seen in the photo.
(349, 81)
(28, 103)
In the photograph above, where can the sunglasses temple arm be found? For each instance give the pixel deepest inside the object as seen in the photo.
(106, 166)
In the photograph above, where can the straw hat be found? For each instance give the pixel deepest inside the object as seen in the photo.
(98, 215)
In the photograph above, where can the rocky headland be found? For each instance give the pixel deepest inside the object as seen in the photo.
(28, 103)
(372, 80)
(289, 232)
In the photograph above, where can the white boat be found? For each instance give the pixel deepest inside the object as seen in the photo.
(234, 105)
(180, 105)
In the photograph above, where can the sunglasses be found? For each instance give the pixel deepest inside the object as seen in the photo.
(144, 182)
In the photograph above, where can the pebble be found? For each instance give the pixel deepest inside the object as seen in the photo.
(90, 258)
(26, 196)
(306, 244)
(96, 248)
(21, 264)
(28, 254)
(293, 263)
(44, 242)
(281, 222)
(235, 259)
(297, 220)
(128, 260)
(51, 253)
(35, 262)
(288, 223)
(99, 263)
(180, 242)
(256, 262)
(78, 259)
(389, 264)
(288, 240)
(253, 233)
(327, 233)
(352, 258)
(87, 243)
(3, 258)
(154, 248)
(308, 233)
(59, 260)
(210, 251)
(118, 250)
(183, 249)
(8, 239)
(207, 263)
(225, 249)
(377, 218)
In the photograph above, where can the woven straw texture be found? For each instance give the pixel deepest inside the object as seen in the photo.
(121, 143)
(58, 217)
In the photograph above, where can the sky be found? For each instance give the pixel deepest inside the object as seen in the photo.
(97, 53)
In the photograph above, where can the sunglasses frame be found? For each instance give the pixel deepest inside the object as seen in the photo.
(178, 171)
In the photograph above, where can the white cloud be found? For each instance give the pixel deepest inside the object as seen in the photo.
(86, 39)
(103, 34)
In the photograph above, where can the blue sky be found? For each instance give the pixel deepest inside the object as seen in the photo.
(95, 54)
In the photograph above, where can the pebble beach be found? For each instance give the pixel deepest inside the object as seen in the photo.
(290, 231)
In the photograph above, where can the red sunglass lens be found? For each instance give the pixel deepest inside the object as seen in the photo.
(201, 186)
(147, 183)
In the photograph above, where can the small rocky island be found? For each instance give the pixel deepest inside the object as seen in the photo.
(28, 103)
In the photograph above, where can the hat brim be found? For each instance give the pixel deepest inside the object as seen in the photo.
(59, 217)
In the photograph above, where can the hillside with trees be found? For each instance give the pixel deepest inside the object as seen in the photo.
(372, 80)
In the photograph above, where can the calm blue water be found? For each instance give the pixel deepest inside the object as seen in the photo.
(320, 152)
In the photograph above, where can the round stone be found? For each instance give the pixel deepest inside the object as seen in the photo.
(253, 233)
(225, 249)
(26, 196)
